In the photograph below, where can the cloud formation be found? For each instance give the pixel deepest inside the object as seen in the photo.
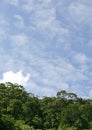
(13, 2)
(49, 40)
(16, 77)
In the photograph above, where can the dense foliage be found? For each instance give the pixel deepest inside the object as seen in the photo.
(20, 110)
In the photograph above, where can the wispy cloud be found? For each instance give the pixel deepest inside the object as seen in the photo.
(19, 21)
(4, 28)
(19, 39)
(28, 5)
(80, 13)
(81, 58)
(51, 41)
(13, 2)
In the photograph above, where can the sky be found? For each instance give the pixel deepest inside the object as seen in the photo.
(46, 45)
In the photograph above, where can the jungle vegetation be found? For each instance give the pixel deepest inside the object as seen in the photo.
(20, 110)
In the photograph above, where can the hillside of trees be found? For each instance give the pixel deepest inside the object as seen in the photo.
(20, 110)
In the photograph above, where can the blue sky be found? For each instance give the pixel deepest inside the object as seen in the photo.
(46, 45)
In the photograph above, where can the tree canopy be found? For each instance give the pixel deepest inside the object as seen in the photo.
(20, 110)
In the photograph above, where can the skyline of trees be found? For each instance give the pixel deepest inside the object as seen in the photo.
(20, 110)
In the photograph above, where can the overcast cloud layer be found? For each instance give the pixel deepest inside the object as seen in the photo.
(46, 45)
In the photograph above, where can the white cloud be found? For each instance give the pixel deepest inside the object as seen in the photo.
(17, 77)
(57, 74)
(28, 5)
(79, 12)
(19, 21)
(3, 28)
(13, 2)
(31, 5)
(48, 77)
(40, 50)
(19, 39)
(81, 58)
(43, 18)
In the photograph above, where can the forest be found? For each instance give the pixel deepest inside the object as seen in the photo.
(21, 110)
